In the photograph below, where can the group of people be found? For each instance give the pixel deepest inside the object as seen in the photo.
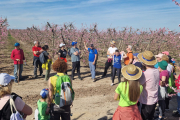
(148, 81)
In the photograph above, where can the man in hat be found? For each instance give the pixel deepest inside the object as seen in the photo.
(129, 59)
(92, 60)
(75, 58)
(37, 50)
(18, 56)
(150, 81)
(110, 53)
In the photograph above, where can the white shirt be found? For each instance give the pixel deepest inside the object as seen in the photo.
(169, 69)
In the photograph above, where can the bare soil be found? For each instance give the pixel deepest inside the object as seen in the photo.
(93, 100)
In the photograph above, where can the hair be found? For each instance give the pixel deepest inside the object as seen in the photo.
(134, 89)
(165, 58)
(45, 47)
(117, 51)
(59, 66)
(5, 90)
(151, 66)
(129, 46)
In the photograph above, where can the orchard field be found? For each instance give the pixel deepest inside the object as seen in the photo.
(93, 101)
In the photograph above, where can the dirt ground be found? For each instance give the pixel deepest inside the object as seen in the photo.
(93, 100)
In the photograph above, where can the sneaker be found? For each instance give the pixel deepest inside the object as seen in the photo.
(79, 78)
(94, 80)
(35, 76)
(41, 75)
(176, 115)
(102, 76)
(112, 84)
(167, 109)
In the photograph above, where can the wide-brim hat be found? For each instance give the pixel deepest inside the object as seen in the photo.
(148, 58)
(131, 72)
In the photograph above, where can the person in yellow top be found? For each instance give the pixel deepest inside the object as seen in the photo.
(128, 93)
(60, 66)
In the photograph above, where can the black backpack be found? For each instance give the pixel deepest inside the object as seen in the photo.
(5, 112)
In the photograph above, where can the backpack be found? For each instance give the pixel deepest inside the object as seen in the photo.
(5, 112)
(64, 94)
(42, 58)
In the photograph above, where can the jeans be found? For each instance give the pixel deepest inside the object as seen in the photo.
(178, 101)
(114, 73)
(92, 68)
(37, 63)
(162, 106)
(48, 71)
(74, 66)
(107, 64)
(16, 71)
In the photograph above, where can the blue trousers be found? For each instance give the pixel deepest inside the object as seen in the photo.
(16, 71)
(92, 69)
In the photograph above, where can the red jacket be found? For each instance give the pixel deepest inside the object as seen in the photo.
(17, 54)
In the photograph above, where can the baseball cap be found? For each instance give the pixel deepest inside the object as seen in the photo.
(135, 54)
(165, 52)
(73, 43)
(62, 44)
(44, 93)
(92, 45)
(16, 44)
(5, 79)
(159, 55)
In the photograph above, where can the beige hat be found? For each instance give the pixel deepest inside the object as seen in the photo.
(131, 72)
(147, 57)
(113, 42)
(159, 55)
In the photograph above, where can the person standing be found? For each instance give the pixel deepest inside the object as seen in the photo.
(110, 53)
(129, 59)
(62, 53)
(150, 82)
(18, 56)
(92, 60)
(37, 50)
(75, 52)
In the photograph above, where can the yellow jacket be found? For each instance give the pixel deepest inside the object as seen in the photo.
(45, 65)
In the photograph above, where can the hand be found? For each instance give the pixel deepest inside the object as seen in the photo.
(25, 60)
(93, 63)
(17, 59)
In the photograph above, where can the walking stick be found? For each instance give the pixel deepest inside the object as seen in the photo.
(18, 71)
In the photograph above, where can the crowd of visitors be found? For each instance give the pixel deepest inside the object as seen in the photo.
(148, 80)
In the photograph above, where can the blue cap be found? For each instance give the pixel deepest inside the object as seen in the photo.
(135, 54)
(173, 61)
(73, 43)
(44, 93)
(16, 44)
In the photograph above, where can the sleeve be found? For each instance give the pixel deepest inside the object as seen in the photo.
(72, 51)
(33, 49)
(12, 55)
(19, 103)
(89, 49)
(131, 56)
(118, 89)
(46, 53)
(96, 51)
(59, 51)
(142, 79)
(23, 55)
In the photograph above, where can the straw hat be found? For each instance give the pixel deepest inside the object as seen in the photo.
(131, 72)
(147, 57)
(113, 42)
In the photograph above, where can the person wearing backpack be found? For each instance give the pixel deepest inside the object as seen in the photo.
(61, 94)
(128, 93)
(37, 50)
(92, 60)
(75, 58)
(46, 61)
(6, 82)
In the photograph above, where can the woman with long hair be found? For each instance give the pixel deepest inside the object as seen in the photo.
(128, 93)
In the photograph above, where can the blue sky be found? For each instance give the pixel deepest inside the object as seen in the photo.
(106, 13)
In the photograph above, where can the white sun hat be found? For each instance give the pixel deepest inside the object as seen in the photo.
(5, 79)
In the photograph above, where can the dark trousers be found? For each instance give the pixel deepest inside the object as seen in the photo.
(147, 111)
(74, 66)
(107, 64)
(56, 115)
(37, 63)
(118, 73)
(162, 106)
(167, 102)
